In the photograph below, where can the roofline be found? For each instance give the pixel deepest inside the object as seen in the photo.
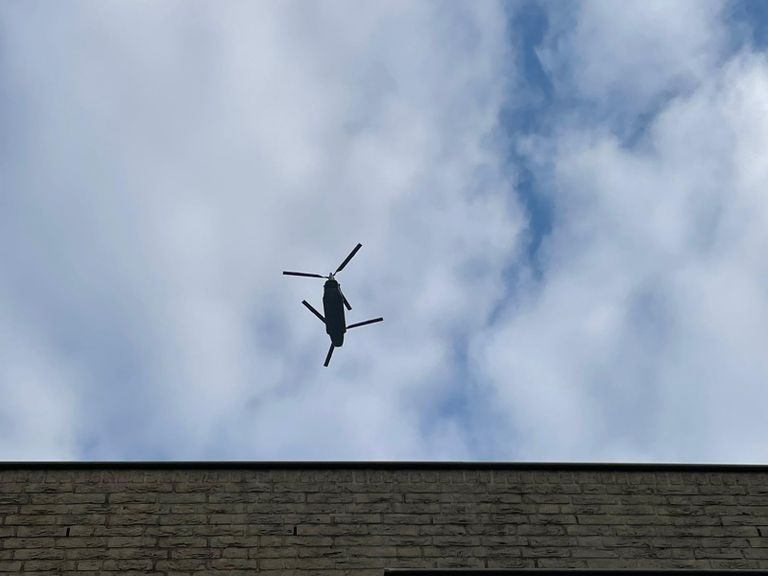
(381, 465)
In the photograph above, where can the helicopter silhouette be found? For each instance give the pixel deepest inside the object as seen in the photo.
(334, 302)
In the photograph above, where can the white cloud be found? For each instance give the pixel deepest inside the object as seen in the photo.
(166, 162)
(625, 58)
(38, 416)
(163, 163)
(646, 337)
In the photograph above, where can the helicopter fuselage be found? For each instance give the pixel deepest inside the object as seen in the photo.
(333, 305)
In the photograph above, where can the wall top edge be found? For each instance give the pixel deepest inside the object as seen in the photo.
(379, 465)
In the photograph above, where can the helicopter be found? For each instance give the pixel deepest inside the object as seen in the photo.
(334, 302)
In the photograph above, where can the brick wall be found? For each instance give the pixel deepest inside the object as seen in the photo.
(185, 518)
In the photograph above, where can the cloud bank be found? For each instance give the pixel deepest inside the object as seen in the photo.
(166, 162)
(645, 337)
(580, 279)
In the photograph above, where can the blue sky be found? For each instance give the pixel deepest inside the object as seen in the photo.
(562, 209)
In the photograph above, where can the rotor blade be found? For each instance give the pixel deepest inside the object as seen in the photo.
(286, 273)
(345, 301)
(356, 324)
(348, 258)
(315, 312)
(328, 358)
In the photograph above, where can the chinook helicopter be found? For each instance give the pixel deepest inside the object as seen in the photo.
(334, 302)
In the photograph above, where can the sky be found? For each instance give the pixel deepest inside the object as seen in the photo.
(562, 208)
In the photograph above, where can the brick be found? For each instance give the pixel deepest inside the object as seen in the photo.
(324, 521)
(197, 553)
(37, 553)
(234, 564)
(184, 564)
(233, 541)
(754, 553)
(85, 553)
(42, 565)
(93, 565)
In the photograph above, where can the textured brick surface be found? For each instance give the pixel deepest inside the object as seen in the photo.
(187, 520)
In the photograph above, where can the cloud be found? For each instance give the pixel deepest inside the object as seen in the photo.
(38, 416)
(644, 339)
(163, 164)
(625, 61)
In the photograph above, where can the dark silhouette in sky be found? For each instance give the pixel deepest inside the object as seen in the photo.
(334, 302)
